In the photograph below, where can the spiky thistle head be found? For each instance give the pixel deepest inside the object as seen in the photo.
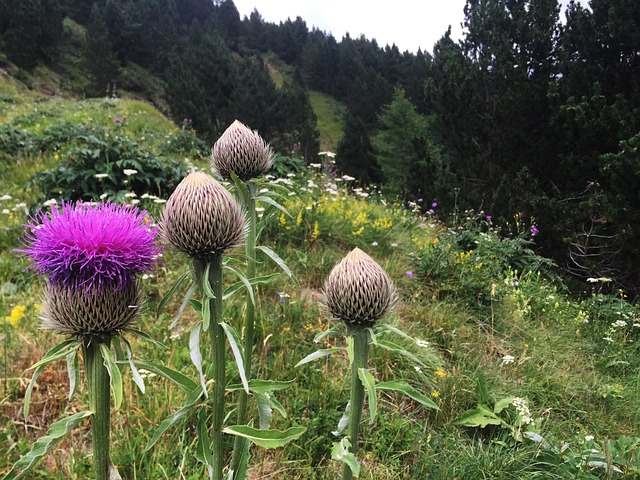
(83, 245)
(101, 311)
(358, 291)
(242, 151)
(201, 218)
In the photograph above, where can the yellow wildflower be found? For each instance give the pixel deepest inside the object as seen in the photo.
(435, 394)
(440, 373)
(282, 219)
(299, 218)
(17, 314)
(316, 231)
(359, 231)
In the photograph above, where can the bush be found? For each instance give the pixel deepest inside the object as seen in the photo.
(110, 167)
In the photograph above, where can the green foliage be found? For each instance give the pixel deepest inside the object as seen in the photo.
(109, 167)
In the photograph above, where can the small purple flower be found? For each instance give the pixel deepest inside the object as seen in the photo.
(296, 145)
(420, 200)
(534, 230)
(394, 245)
(91, 245)
(431, 211)
(409, 273)
(434, 204)
(185, 120)
(488, 217)
(118, 120)
(374, 244)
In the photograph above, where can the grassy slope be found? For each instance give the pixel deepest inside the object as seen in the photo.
(556, 368)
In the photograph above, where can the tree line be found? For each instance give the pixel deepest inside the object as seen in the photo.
(525, 114)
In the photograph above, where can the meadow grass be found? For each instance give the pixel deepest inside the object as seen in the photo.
(472, 314)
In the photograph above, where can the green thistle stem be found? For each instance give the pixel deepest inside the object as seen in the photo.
(360, 359)
(217, 368)
(240, 444)
(99, 402)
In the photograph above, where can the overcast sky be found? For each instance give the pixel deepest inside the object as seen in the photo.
(410, 24)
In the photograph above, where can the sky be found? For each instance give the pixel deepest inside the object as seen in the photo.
(410, 24)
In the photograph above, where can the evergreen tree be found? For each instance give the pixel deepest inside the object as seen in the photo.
(31, 30)
(99, 57)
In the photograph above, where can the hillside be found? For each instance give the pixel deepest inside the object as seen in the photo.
(529, 381)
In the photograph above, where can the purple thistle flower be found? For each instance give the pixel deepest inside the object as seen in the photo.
(91, 245)
(118, 120)
(534, 230)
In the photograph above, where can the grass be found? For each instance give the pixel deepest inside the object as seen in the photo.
(576, 382)
(330, 118)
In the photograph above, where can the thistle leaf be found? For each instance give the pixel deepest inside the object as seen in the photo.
(44, 444)
(266, 438)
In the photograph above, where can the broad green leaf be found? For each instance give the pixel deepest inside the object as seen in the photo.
(206, 285)
(115, 377)
(323, 352)
(196, 356)
(147, 337)
(241, 186)
(56, 353)
(344, 420)
(502, 404)
(206, 313)
(370, 384)
(392, 347)
(59, 351)
(480, 416)
(340, 452)
(482, 391)
(265, 412)
(73, 370)
(203, 444)
(44, 444)
(167, 296)
(134, 371)
(172, 419)
(244, 281)
(409, 391)
(276, 258)
(262, 386)
(254, 281)
(236, 348)
(332, 330)
(273, 203)
(350, 354)
(278, 406)
(266, 438)
(185, 301)
(390, 328)
(184, 382)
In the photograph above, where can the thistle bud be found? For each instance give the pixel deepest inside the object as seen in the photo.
(358, 291)
(242, 151)
(94, 311)
(201, 218)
